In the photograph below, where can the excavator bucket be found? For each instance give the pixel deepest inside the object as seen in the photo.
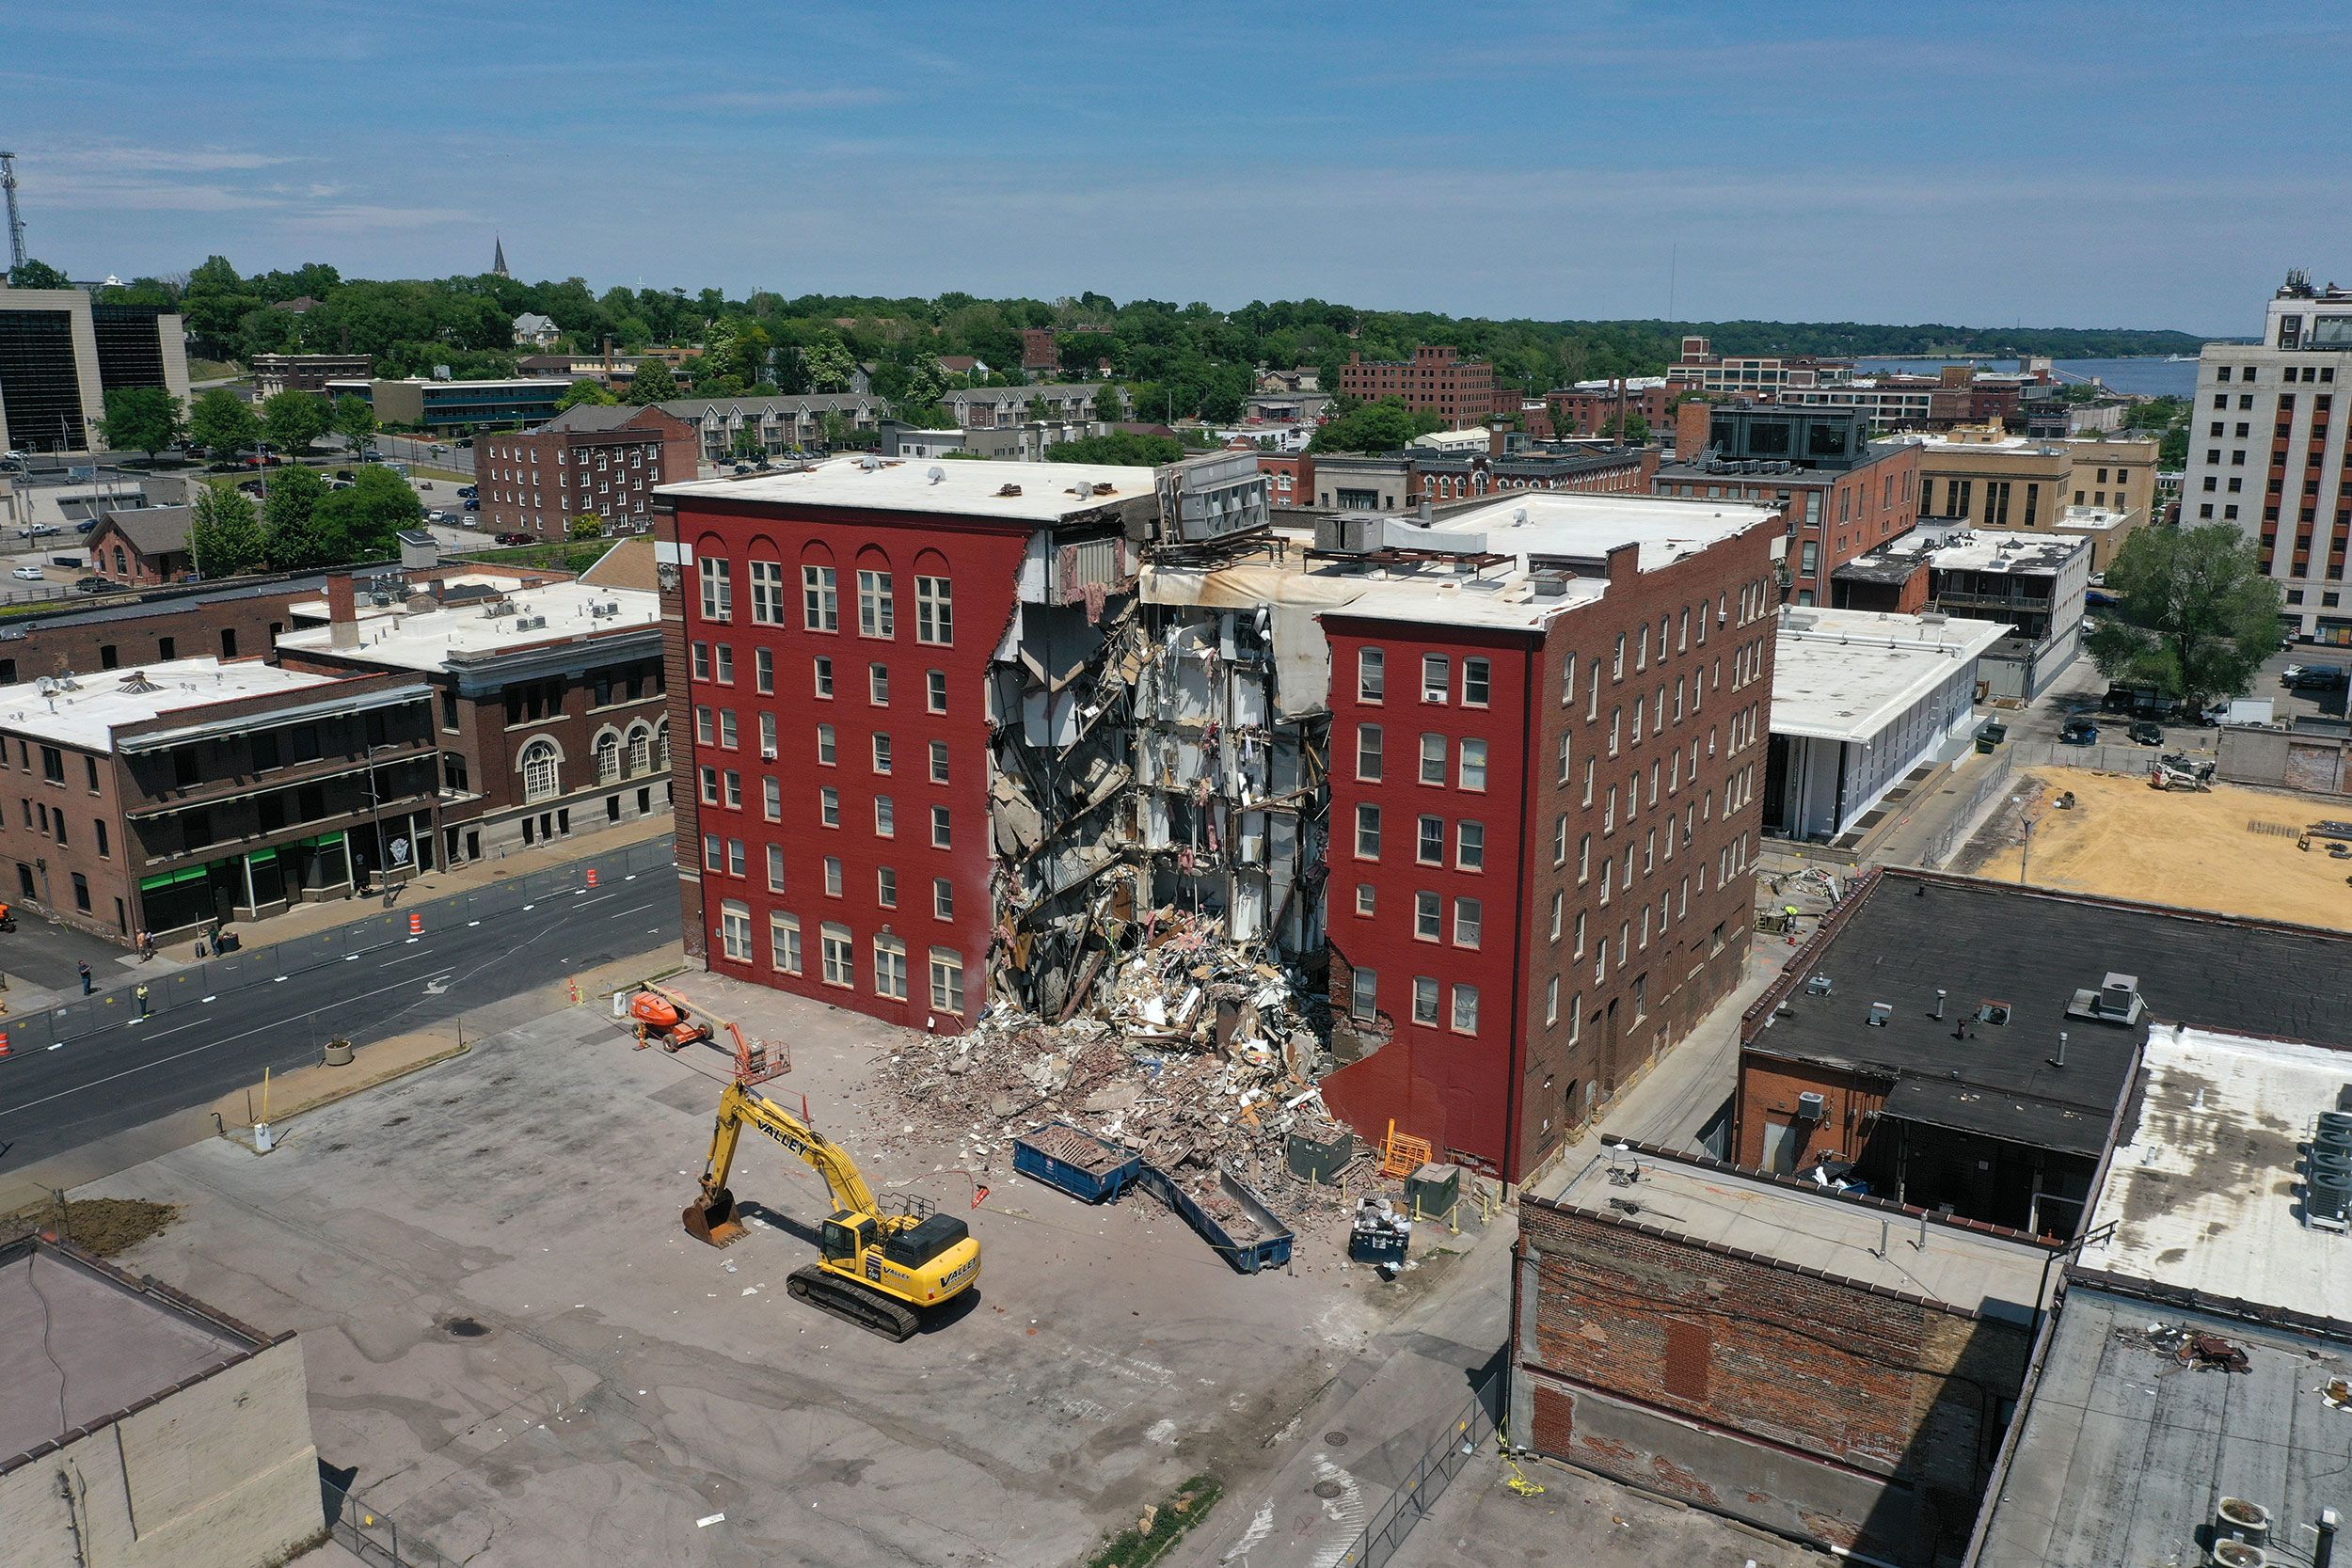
(713, 1221)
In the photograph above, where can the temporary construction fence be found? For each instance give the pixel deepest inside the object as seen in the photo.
(373, 1538)
(1461, 1441)
(195, 984)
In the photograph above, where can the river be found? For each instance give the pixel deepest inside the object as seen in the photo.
(2147, 378)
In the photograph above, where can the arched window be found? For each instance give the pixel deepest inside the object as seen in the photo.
(608, 757)
(662, 747)
(542, 767)
(639, 749)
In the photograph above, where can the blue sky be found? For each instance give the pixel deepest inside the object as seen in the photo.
(2054, 163)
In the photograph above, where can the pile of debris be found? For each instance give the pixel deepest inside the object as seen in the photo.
(1196, 1053)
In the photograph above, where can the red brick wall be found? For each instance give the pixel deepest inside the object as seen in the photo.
(230, 629)
(1767, 1093)
(1743, 1345)
(1438, 379)
(1590, 413)
(1300, 467)
(1693, 423)
(980, 561)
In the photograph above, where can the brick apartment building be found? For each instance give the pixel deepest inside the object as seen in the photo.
(1763, 377)
(588, 460)
(1435, 380)
(274, 373)
(1546, 763)
(164, 797)
(1840, 493)
(1040, 351)
(550, 698)
(1589, 407)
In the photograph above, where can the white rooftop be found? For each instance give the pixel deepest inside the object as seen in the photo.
(1553, 523)
(1846, 674)
(2101, 518)
(304, 611)
(2204, 1191)
(964, 488)
(1842, 1237)
(86, 712)
(1992, 549)
(399, 641)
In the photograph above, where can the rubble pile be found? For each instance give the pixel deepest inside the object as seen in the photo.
(1195, 1052)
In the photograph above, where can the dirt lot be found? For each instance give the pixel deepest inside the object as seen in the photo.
(530, 1366)
(2233, 850)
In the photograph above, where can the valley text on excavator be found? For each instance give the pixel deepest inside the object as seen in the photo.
(877, 1270)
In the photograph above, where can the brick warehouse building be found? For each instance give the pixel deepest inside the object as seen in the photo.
(1548, 746)
(1436, 379)
(588, 460)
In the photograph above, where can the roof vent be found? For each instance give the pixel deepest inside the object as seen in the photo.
(2116, 1001)
(1817, 985)
(137, 682)
(1548, 585)
(1880, 1013)
(1009, 489)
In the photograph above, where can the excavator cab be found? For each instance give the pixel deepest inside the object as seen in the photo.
(844, 1236)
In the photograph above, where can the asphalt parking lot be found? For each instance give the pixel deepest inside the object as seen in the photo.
(511, 1337)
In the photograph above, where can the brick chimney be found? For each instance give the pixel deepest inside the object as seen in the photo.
(1498, 433)
(1693, 420)
(342, 611)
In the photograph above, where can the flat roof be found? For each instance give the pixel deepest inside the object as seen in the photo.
(85, 713)
(1987, 550)
(2099, 517)
(1976, 1270)
(2203, 1187)
(1668, 529)
(2126, 1447)
(78, 1344)
(964, 488)
(1846, 674)
(1912, 932)
(429, 640)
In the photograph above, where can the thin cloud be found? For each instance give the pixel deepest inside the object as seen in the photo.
(790, 100)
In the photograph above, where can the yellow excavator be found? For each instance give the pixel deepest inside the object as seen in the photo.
(881, 1271)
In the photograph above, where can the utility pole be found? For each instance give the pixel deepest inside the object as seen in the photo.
(16, 220)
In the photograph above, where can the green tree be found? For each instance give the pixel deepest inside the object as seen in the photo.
(141, 418)
(361, 523)
(1126, 447)
(748, 443)
(354, 419)
(837, 425)
(653, 384)
(225, 532)
(586, 526)
(296, 540)
(1632, 430)
(295, 419)
(585, 390)
(2194, 615)
(38, 275)
(828, 363)
(223, 422)
(2172, 451)
(1383, 426)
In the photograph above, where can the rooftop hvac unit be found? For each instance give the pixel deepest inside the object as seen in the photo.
(2236, 1519)
(1812, 1107)
(2238, 1554)
(1548, 585)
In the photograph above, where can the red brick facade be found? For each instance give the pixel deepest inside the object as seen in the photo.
(863, 855)
(1590, 413)
(1290, 479)
(535, 482)
(1833, 516)
(1437, 380)
(1619, 815)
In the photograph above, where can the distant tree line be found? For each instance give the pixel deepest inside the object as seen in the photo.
(1173, 361)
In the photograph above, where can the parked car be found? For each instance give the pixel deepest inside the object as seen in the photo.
(742, 467)
(2147, 733)
(515, 539)
(41, 530)
(473, 503)
(28, 573)
(2314, 678)
(343, 473)
(86, 525)
(2081, 730)
(97, 585)
(467, 492)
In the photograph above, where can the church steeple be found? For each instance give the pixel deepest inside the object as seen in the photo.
(498, 259)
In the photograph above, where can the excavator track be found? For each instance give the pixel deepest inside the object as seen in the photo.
(853, 1303)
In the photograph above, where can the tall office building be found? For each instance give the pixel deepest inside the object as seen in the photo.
(60, 354)
(2265, 451)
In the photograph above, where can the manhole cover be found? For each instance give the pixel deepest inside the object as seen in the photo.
(463, 1328)
(1327, 1489)
(1337, 1439)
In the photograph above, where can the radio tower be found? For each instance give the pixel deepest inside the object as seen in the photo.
(16, 223)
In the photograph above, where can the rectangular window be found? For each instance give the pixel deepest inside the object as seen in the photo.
(934, 610)
(827, 750)
(840, 966)
(935, 690)
(709, 779)
(821, 599)
(882, 754)
(718, 591)
(1435, 677)
(1429, 846)
(1551, 1000)
(877, 614)
(1425, 1000)
(939, 762)
(1473, 771)
(1367, 833)
(1477, 682)
(775, 868)
(784, 942)
(1370, 676)
(890, 968)
(942, 898)
(878, 684)
(832, 875)
(1466, 922)
(1433, 759)
(735, 788)
(1428, 917)
(705, 726)
(943, 834)
(829, 806)
(1366, 899)
(767, 593)
(1565, 750)
(729, 737)
(735, 857)
(823, 670)
(1368, 752)
(947, 981)
(735, 930)
(1364, 994)
(1471, 845)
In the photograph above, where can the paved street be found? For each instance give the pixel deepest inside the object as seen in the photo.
(126, 1071)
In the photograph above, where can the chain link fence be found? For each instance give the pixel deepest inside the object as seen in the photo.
(2100, 758)
(192, 986)
(373, 1538)
(1436, 1469)
(1962, 821)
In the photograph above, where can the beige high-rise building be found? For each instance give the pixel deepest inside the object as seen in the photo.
(60, 354)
